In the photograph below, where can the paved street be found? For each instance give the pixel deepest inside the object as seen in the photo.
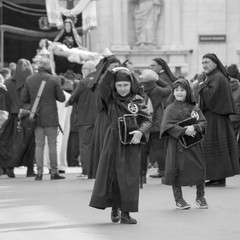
(58, 210)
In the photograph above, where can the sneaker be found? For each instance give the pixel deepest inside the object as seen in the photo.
(156, 175)
(182, 205)
(202, 203)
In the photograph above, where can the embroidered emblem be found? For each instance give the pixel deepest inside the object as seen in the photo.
(194, 114)
(132, 107)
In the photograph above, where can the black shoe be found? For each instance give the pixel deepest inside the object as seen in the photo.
(30, 173)
(38, 177)
(126, 219)
(56, 176)
(115, 215)
(61, 171)
(216, 183)
(156, 175)
(10, 173)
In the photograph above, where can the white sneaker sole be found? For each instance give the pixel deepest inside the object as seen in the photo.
(183, 208)
(201, 207)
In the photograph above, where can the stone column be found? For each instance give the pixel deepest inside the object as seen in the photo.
(176, 23)
(119, 25)
(173, 29)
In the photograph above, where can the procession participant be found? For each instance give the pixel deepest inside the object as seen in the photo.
(117, 179)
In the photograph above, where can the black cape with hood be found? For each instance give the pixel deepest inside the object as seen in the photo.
(217, 103)
(119, 166)
(101, 122)
(184, 167)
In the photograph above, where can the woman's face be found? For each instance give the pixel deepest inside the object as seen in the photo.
(155, 66)
(180, 93)
(123, 88)
(68, 27)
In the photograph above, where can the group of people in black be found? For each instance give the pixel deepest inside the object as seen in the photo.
(124, 121)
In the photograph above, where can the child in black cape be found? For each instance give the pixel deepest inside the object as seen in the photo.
(185, 166)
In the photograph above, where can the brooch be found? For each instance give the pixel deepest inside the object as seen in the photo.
(132, 107)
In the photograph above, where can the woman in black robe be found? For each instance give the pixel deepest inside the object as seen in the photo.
(117, 179)
(217, 103)
(17, 148)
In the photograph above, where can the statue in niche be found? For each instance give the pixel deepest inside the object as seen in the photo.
(146, 15)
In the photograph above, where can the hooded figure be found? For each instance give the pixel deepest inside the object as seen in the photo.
(184, 166)
(165, 73)
(217, 103)
(117, 179)
(176, 112)
(101, 123)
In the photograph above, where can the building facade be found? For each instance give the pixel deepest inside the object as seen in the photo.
(186, 30)
(179, 31)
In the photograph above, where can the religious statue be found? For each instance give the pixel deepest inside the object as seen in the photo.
(146, 15)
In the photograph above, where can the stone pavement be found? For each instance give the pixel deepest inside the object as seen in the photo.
(58, 210)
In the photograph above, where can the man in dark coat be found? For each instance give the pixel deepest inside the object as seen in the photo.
(217, 103)
(154, 95)
(87, 113)
(47, 124)
(161, 67)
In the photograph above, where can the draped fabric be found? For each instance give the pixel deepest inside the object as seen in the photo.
(79, 8)
(62, 138)
(54, 13)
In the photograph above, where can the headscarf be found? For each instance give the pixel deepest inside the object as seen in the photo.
(123, 76)
(165, 67)
(101, 69)
(23, 70)
(127, 75)
(73, 32)
(184, 83)
(215, 59)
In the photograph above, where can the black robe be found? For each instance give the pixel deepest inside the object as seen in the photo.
(219, 145)
(17, 148)
(184, 166)
(119, 166)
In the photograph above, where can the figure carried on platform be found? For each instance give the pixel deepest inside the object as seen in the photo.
(67, 44)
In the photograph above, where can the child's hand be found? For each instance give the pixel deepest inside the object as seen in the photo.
(190, 131)
(137, 135)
